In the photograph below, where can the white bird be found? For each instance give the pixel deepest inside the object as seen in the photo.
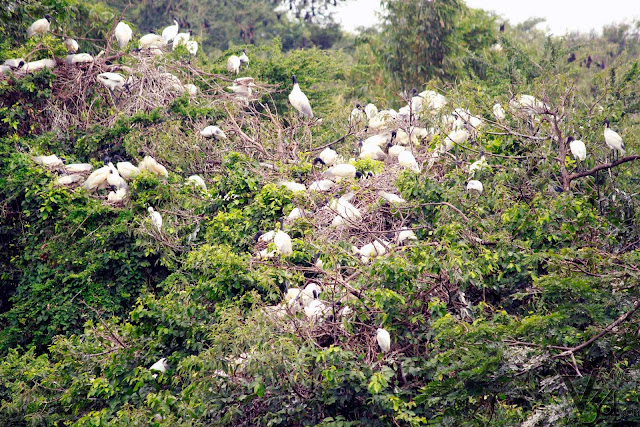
(123, 34)
(316, 310)
(151, 41)
(98, 178)
(233, 64)
(170, 32)
(197, 180)
(395, 150)
(14, 63)
(114, 179)
(613, 139)
(294, 214)
(71, 45)
(371, 151)
(499, 112)
(384, 339)
(370, 110)
(529, 104)
(497, 48)
(283, 242)
(404, 235)
(328, 156)
(391, 198)
(321, 185)
(357, 115)
(459, 136)
(382, 119)
(78, 58)
(267, 237)
(408, 161)
(127, 170)
(343, 170)
(381, 139)
(51, 161)
(41, 26)
(4, 69)
(372, 250)
(478, 165)
(32, 66)
(242, 86)
(180, 38)
(69, 179)
(294, 187)
(475, 186)
(192, 47)
(150, 164)
(78, 167)
(117, 196)
(213, 131)
(344, 208)
(160, 366)
(578, 149)
(244, 58)
(191, 88)
(111, 81)
(299, 100)
(156, 218)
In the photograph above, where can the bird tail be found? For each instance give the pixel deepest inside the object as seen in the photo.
(29, 31)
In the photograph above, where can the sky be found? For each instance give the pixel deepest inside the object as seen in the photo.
(562, 15)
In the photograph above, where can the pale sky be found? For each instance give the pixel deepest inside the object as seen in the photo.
(561, 15)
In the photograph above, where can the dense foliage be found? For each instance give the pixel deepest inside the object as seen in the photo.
(517, 306)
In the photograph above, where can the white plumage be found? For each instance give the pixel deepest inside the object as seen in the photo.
(97, 179)
(475, 186)
(321, 185)
(117, 196)
(613, 139)
(68, 179)
(78, 167)
(283, 243)
(197, 180)
(267, 237)
(123, 34)
(151, 41)
(233, 64)
(499, 112)
(192, 47)
(51, 161)
(384, 339)
(328, 156)
(343, 170)
(316, 310)
(395, 150)
(371, 151)
(41, 26)
(408, 161)
(382, 119)
(357, 115)
(380, 139)
(294, 187)
(127, 170)
(71, 45)
(38, 65)
(150, 164)
(370, 110)
(156, 219)
(404, 235)
(78, 58)
(345, 209)
(294, 214)
(213, 131)
(242, 86)
(180, 38)
(391, 198)
(114, 179)
(578, 149)
(160, 366)
(14, 63)
(243, 57)
(170, 32)
(433, 101)
(299, 100)
(478, 165)
(111, 81)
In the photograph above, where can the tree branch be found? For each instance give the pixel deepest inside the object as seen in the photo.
(603, 166)
(619, 320)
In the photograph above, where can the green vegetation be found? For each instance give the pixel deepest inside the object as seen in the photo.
(518, 306)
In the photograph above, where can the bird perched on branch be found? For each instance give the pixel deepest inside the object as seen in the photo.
(71, 45)
(384, 339)
(578, 149)
(299, 100)
(41, 26)
(612, 139)
(170, 32)
(156, 218)
(213, 131)
(123, 34)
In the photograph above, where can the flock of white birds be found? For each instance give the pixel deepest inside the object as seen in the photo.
(392, 136)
